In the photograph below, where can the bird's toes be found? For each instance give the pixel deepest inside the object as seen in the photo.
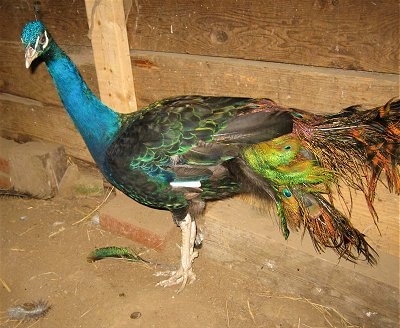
(181, 276)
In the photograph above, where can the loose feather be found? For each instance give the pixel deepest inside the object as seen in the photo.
(115, 252)
(29, 311)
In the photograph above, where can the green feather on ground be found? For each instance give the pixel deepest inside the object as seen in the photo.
(114, 252)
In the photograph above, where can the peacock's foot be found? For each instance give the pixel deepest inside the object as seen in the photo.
(180, 276)
(184, 274)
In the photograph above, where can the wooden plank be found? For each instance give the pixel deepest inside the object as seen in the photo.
(107, 31)
(312, 88)
(245, 240)
(360, 35)
(32, 120)
(37, 83)
(65, 19)
(385, 240)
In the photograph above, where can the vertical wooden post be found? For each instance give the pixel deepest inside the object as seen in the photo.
(107, 31)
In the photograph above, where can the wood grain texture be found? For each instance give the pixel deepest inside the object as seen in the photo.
(159, 75)
(245, 240)
(37, 83)
(28, 119)
(358, 34)
(107, 32)
(66, 20)
(361, 35)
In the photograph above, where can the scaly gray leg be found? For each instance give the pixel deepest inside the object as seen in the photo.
(185, 273)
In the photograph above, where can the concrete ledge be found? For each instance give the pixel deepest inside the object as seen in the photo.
(125, 217)
(33, 168)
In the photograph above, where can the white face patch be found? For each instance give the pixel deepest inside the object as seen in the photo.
(185, 184)
(43, 39)
(37, 42)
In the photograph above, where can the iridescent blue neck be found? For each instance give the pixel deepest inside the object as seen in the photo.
(96, 122)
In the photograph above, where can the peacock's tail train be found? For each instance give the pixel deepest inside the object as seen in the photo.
(359, 145)
(355, 146)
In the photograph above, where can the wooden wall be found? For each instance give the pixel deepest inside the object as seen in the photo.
(314, 54)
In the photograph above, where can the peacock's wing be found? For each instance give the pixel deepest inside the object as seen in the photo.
(179, 145)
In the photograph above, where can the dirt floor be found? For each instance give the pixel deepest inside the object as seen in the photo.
(43, 257)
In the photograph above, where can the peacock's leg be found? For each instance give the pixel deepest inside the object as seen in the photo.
(185, 273)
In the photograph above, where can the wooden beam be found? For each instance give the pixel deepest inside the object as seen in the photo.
(355, 35)
(42, 122)
(107, 31)
(316, 89)
(251, 243)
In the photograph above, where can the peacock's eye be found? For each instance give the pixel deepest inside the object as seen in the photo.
(42, 39)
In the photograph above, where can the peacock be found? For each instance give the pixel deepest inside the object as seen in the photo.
(181, 152)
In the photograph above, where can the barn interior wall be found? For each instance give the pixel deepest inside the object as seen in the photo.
(318, 55)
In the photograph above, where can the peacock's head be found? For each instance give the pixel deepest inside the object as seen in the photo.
(35, 39)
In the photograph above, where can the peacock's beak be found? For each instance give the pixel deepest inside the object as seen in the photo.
(30, 55)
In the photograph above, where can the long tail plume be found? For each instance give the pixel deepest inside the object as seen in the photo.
(329, 228)
(359, 145)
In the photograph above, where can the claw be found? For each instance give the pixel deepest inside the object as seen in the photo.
(177, 277)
